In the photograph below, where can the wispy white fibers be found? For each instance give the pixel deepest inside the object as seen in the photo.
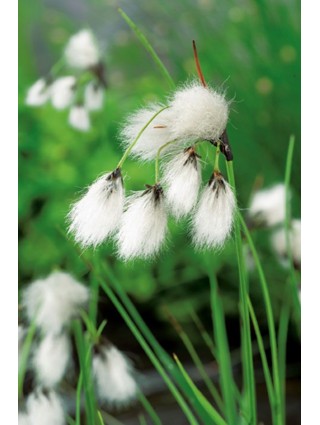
(38, 93)
(143, 224)
(82, 50)
(279, 242)
(268, 206)
(113, 374)
(62, 92)
(213, 218)
(93, 96)
(97, 214)
(51, 359)
(45, 407)
(23, 419)
(182, 179)
(154, 136)
(79, 118)
(53, 301)
(199, 113)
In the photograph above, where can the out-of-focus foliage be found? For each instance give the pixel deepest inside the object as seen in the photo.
(249, 48)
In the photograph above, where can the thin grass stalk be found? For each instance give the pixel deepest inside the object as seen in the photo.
(142, 420)
(249, 379)
(264, 361)
(282, 347)
(175, 392)
(78, 398)
(25, 356)
(204, 334)
(149, 409)
(222, 347)
(217, 419)
(270, 320)
(149, 48)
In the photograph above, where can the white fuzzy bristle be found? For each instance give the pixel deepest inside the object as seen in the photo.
(45, 407)
(143, 225)
(213, 218)
(93, 96)
(97, 214)
(52, 302)
(62, 92)
(182, 179)
(82, 50)
(113, 375)
(38, 93)
(79, 118)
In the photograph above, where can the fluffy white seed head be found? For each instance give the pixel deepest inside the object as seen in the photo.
(268, 206)
(154, 136)
(199, 113)
(82, 50)
(79, 118)
(62, 92)
(143, 224)
(38, 93)
(213, 218)
(279, 242)
(45, 407)
(23, 419)
(182, 179)
(53, 301)
(97, 214)
(93, 96)
(113, 374)
(51, 359)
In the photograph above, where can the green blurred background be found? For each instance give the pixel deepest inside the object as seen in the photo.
(251, 48)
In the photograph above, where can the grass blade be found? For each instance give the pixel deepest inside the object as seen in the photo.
(149, 409)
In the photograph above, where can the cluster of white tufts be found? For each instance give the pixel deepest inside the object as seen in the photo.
(50, 304)
(74, 92)
(114, 376)
(138, 224)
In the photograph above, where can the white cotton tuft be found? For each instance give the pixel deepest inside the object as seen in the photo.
(82, 50)
(279, 242)
(23, 419)
(153, 137)
(62, 92)
(213, 218)
(45, 407)
(79, 118)
(268, 206)
(199, 113)
(143, 225)
(182, 179)
(38, 93)
(94, 96)
(51, 359)
(97, 214)
(113, 374)
(52, 302)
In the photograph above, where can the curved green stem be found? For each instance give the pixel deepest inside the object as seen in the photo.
(131, 146)
(157, 160)
(216, 159)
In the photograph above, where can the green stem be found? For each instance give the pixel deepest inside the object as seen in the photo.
(131, 146)
(149, 48)
(264, 361)
(157, 160)
(78, 398)
(216, 159)
(184, 407)
(249, 379)
(282, 344)
(149, 409)
(270, 319)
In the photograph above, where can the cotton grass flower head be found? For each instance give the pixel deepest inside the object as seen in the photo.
(53, 301)
(268, 206)
(200, 113)
(97, 214)
(114, 376)
(23, 419)
(182, 179)
(279, 243)
(213, 219)
(93, 96)
(38, 94)
(156, 134)
(45, 407)
(143, 225)
(79, 117)
(62, 92)
(51, 359)
(82, 50)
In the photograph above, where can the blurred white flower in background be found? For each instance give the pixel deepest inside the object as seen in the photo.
(79, 117)
(82, 50)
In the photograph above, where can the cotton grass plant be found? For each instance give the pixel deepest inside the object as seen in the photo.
(172, 135)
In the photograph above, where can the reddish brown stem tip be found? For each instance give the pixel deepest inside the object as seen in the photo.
(196, 58)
